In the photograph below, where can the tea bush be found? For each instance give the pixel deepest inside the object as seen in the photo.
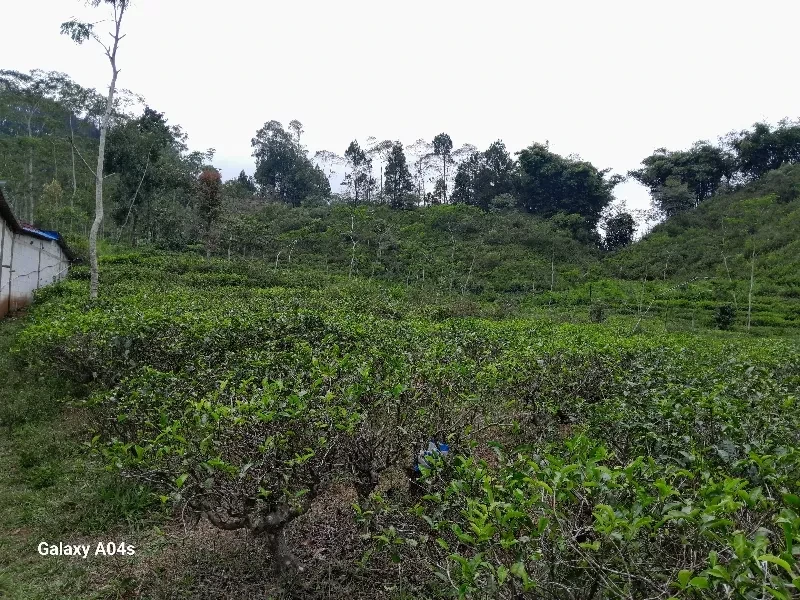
(585, 461)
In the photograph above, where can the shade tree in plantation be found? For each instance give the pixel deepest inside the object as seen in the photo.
(50, 129)
(702, 169)
(209, 201)
(246, 182)
(50, 204)
(296, 130)
(155, 195)
(461, 154)
(439, 192)
(85, 106)
(80, 32)
(785, 181)
(673, 197)
(466, 181)
(64, 119)
(329, 162)
(681, 180)
(31, 114)
(136, 153)
(380, 150)
(421, 152)
(239, 187)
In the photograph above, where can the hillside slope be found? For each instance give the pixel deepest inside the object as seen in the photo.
(718, 245)
(446, 249)
(717, 239)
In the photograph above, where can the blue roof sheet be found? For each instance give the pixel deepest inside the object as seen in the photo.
(50, 235)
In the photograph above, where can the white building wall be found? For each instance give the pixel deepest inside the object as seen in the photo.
(28, 264)
(5, 265)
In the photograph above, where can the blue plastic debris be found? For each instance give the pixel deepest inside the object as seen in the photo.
(439, 449)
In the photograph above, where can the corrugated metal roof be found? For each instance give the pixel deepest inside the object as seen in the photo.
(42, 233)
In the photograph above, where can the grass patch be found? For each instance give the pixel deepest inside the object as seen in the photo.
(52, 489)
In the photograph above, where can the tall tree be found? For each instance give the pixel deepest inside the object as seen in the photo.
(443, 147)
(135, 150)
(359, 177)
(422, 153)
(296, 129)
(380, 150)
(246, 182)
(673, 197)
(398, 178)
(466, 180)
(80, 32)
(30, 110)
(619, 226)
(84, 105)
(327, 161)
(283, 168)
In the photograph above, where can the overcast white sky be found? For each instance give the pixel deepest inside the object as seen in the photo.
(610, 81)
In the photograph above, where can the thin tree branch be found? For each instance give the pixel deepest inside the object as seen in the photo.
(74, 147)
(133, 200)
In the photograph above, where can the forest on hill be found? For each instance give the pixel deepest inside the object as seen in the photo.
(397, 371)
(49, 135)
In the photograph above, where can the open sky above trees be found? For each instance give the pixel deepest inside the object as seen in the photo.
(520, 72)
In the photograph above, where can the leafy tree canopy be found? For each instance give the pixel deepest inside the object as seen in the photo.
(765, 148)
(702, 169)
(548, 183)
(483, 176)
(283, 167)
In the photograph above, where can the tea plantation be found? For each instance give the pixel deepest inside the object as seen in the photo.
(253, 432)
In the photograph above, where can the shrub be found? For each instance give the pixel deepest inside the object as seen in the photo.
(582, 458)
(725, 316)
(596, 313)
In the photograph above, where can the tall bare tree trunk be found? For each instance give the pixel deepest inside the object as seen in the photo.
(72, 147)
(98, 198)
(353, 250)
(444, 177)
(29, 214)
(725, 262)
(750, 292)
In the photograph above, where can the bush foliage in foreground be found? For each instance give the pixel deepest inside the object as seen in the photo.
(584, 462)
